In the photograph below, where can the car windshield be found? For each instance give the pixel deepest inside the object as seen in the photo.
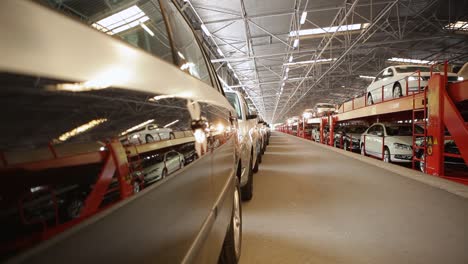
(408, 69)
(357, 129)
(402, 130)
(326, 106)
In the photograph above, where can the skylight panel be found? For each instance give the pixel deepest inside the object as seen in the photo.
(459, 26)
(121, 21)
(415, 61)
(324, 30)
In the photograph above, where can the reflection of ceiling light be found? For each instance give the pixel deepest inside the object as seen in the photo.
(147, 29)
(309, 61)
(366, 77)
(287, 69)
(123, 20)
(296, 43)
(220, 52)
(459, 25)
(137, 127)
(187, 65)
(316, 31)
(81, 87)
(181, 55)
(81, 129)
(303, 17)
(411, 61)
(159, 97)
(229, 66)
(205, 29)
(290, 58)
(171, 123)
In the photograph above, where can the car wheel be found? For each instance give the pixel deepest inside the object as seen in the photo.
(247, 189)
(363, 150)
(397, 91)
(74, 208)
(422, 163)
(171, 136)
(345, 145)
(149, 138)
(136, 187)
(369, 100)
(386, 157)
(231, 251)
(257, 162)
(334, 144)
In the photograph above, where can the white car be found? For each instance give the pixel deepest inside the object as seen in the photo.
(146, 134)
(157, 166)
(395, 140)
(250, 143)
(394, 78)
(323, 109)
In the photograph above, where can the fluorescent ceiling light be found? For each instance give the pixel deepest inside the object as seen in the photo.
(123, 20)
(147, 29)
(171, 123)
(287, 69)
(366, 77)
(296, 43)
(81, 129)
(309, 61)
(416, 61)
(303, 17)
(181, 55)
(220, 52)
(137, 127)
(205, 29)
(290, 58)
(229, 66)
(324, 30)
(459, 25)
(159, 97)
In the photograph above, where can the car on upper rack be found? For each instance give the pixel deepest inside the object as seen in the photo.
(394, 79)
(147, 134)
(390, 141)
(157, 166)
(349, 137)
(323, 109)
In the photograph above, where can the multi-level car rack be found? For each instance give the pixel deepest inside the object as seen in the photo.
(439, 108)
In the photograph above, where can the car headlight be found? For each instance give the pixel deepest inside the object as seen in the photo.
(401, 146)
(413, 78)
(460, 78)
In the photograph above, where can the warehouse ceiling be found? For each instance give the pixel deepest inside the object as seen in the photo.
(256, 49)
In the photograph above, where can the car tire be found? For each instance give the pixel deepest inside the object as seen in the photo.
(149, 138)
(397, 93)
(164, 174)
(73, 209)
(422, 164)
(231, 250)
(247, 189)
(370, 101)
(136, 187)
(387, 157)
(171, 136)
(345, 145)
(257, 162)
(334, 144)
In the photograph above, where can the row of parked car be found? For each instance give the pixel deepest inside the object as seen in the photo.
(143, 115)
(391, 142)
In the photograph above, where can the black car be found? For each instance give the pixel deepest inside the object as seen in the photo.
(349, 137)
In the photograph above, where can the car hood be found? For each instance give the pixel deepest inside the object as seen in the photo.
(407, 140)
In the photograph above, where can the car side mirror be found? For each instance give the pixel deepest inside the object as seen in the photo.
(252, 116)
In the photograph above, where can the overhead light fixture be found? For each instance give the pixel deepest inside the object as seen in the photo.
(229, 66)
(296, 43)
(121, 21)
(220, 52)
(285, 77)
(291, 58)
(171, 123)
(415, 61)
(205, 29)
(159, 97)
(181, 55)
(324, 30)
(287, 69)
(81, 129)
(459, 26)
(303, 17)
(146, 28)
(366, 77)
(309, 61)
(137, 127)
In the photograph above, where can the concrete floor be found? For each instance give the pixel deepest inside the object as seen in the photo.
(313, 205)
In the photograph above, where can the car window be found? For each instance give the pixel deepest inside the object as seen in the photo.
(233, 100)
(379, 76)
(410, 69)
(387, 73)
(189, 55)
(402, 130)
